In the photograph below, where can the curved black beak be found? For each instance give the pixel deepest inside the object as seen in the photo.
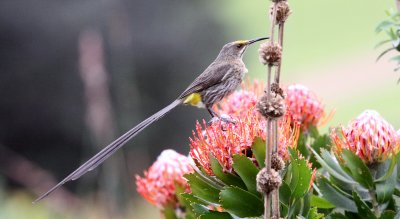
(256, 40)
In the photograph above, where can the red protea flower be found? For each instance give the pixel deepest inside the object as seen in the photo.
(304, 106)
(242, 101)
(369, 136)
(158, 184)
(223, 140)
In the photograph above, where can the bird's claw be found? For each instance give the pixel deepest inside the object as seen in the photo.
(223, 118)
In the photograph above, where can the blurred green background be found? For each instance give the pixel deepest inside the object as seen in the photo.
(52, 118)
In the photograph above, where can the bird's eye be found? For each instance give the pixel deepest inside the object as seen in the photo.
(239, 46)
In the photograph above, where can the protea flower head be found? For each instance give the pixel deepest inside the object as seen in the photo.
(369, 136)
(242, 101)
(158, 184)
(223, 140)
(304, 106)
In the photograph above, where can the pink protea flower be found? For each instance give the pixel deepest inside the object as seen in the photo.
(223, 140)
(241, 101)
(158, 184)
(369, 136)
(304, 106)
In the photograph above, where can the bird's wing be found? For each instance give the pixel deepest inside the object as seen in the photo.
(213, 75)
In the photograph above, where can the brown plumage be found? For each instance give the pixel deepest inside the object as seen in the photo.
(220, 79)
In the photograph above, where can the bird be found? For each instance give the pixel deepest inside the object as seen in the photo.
(217, 81)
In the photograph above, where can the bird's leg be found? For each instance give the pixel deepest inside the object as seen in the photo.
(215, 115)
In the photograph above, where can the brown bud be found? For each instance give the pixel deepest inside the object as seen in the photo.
(270, 54)
(271, 108)
(268, 181)
(277, 162)
(282, 11)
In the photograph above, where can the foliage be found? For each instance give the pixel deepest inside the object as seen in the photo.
(391, 26)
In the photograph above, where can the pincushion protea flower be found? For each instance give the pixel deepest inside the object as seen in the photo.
(369, 136)
(304, 106)
(242, 101)
(158, 184)
(223, 140)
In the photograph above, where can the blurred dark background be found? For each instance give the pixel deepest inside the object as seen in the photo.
(55, 113)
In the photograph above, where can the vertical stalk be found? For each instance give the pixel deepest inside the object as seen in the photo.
(275, 193)
(269, 142)
(280, 41)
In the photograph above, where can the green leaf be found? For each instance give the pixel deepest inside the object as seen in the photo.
(385, 189)
(384, 25)
(334, 196)
(313, 214)
(385, 169)
(330, 164)
(322, 142)
(284, 210)
(227, 178)
(389, 214)
(258, 148)
(199, 209)
(305, 201)
(202, 189)
(215, 215)
(336, 215)
(359, 170)
(241, 203)
(285, 193)
(169, 212)
(301, 145)
(320, 202)
(190, 198)
(301, 176)
(246, 169)
(313, 131)
(363, 209)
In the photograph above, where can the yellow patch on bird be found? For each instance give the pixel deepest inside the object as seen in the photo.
(193, 99)
(241, 42)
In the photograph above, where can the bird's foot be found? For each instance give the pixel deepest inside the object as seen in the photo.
(224, 118)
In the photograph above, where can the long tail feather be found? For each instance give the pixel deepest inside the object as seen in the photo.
(111, 148)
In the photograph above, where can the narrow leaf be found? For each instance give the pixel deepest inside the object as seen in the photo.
(385, 169)
(332, 167)
(359, 170)
(385, 189)
(363, 209)
(334, 196)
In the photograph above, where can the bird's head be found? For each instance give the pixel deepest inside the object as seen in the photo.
(237, 48)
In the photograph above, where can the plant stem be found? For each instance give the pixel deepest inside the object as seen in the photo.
(374, 202)
(275, 193)
(280, 41)
(269, 142)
